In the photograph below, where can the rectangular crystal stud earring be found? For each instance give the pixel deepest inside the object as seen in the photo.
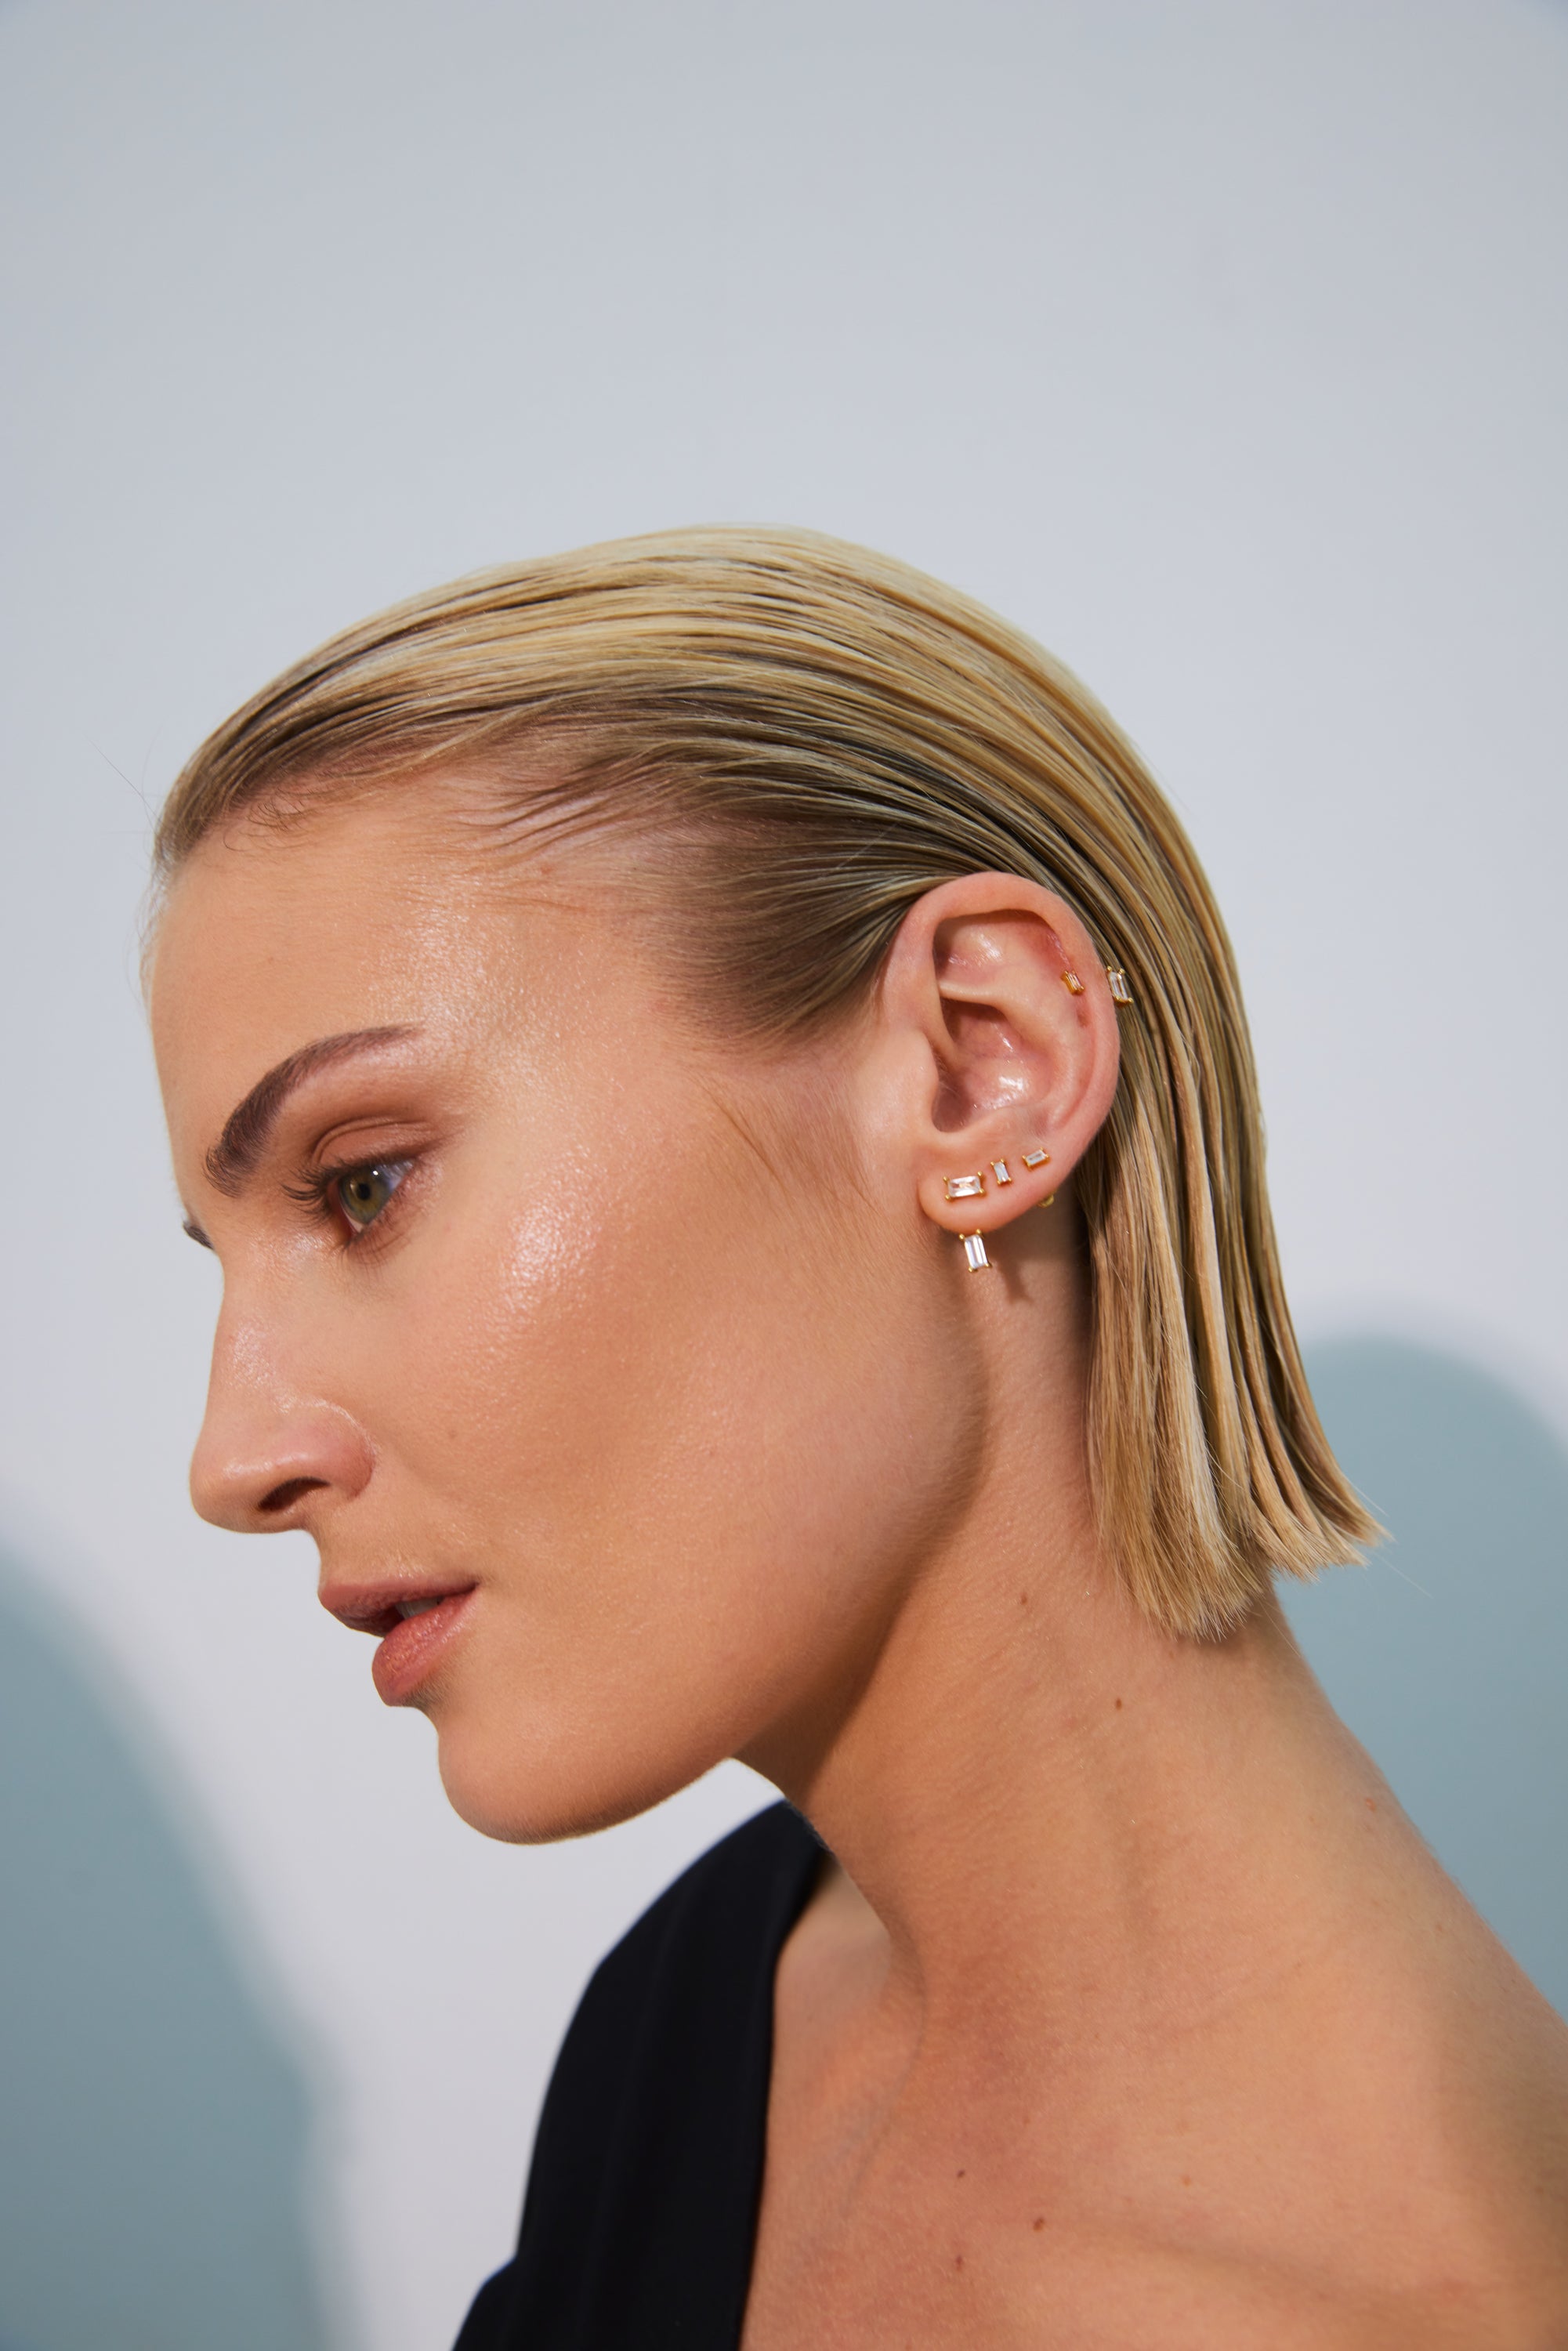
(963, 1187)
(1120, 991)
(1071, 982)
(1001, 1171)
(975, 1251)
(1037, 1158)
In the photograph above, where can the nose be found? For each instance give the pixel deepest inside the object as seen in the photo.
(268, 1459)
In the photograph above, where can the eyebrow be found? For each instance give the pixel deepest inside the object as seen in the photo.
(234, 1156)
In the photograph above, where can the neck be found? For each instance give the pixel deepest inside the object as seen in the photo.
(1058, 1811)
(1116, 1912)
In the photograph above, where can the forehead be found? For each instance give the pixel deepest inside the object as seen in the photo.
(365, 915)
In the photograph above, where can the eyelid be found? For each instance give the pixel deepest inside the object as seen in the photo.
(368, 1139)
(328, 1171)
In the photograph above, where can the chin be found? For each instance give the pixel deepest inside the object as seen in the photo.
(569, 1786)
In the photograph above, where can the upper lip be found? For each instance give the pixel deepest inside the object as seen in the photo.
(377, 1607)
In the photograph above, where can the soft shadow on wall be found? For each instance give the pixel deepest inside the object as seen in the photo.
(1447, 1655)
(153, 2128)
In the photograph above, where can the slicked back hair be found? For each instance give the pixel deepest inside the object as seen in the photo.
(830, 734)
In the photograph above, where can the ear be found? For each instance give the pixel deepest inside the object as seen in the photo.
(1002, 1031)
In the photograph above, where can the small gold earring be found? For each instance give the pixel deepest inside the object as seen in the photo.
(1071, 982)
(963, 1187)
(1037, 1158)
(975, 1251)
(1001, 1171)
(1120, 991)
(1049, 1201)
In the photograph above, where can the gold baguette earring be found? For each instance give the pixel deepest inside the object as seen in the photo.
(1071, 982)
(1037, 1159)
(963, 1187)
(1120, 991)
(975, 1251)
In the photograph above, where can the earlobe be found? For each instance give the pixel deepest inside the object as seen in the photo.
(1016, 1013)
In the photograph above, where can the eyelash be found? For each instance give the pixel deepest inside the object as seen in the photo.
(317, 1194)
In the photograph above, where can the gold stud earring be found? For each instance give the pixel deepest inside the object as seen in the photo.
(963, 1187)
(1120, 991)
(1071, 982)
(1037, 1158)
(1001, 1171)
(975, 1251)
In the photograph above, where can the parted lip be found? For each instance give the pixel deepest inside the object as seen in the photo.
(378, 1607)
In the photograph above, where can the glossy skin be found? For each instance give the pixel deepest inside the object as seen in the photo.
(1134, 2012)
(640, 1351)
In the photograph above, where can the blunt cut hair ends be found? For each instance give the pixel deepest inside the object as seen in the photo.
(830, 734)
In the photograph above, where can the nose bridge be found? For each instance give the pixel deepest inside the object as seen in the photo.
(248, 1379)
(271, 1447)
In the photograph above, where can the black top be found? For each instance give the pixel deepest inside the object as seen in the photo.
(641, 2205)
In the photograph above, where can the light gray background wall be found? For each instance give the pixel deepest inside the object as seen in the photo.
(1220, 342)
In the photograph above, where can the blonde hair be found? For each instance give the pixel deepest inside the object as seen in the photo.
(836, 734)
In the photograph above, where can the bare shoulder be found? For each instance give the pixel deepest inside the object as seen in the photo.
(1511, 2068)
(1468, 2183)
(1387, 2171)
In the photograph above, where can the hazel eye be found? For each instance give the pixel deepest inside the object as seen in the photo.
(362, 1192)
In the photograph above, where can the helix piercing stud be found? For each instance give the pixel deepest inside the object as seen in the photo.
(975, 1252)
(1036, 1158)
(1120, 991)
(1071, 982)
(963, 1187)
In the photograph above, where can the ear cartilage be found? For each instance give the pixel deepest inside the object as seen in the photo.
(1120, 991)
(1037, 1158)
(963, 1187)
(1001, 1171)
(1071, 982)
(975, 1252)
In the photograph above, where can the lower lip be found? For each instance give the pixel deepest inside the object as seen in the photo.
(411, 1653)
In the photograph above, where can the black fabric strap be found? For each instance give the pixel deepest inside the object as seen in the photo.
(641, 2214)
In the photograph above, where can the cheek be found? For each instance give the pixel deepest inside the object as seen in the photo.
(692, 1459)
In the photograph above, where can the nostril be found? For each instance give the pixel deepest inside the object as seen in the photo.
(283, 1497)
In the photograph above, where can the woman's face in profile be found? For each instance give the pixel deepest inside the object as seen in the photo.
(591, 1344)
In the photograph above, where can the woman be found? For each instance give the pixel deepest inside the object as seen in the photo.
(722, 1096)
